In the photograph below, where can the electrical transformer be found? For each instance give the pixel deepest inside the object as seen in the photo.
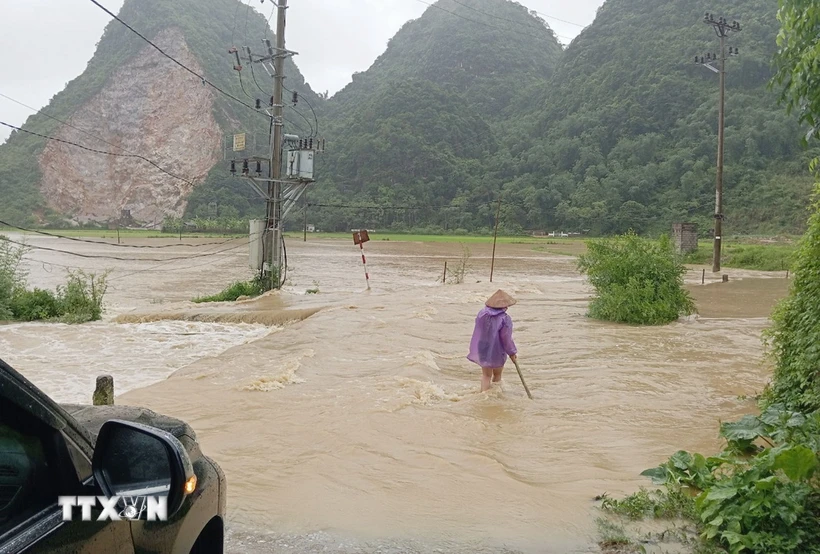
(300, 165)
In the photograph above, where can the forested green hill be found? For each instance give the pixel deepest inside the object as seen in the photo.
(628, 134)
(617, 132)
(477, 99)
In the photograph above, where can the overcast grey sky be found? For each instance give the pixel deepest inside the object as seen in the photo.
(46, 43)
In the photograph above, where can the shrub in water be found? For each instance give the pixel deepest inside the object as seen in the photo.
(636, 281)
(82, 296)
(12, 276)
(234, 291)
(34, 305)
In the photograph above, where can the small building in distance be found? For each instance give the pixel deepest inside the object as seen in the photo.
(685, 237)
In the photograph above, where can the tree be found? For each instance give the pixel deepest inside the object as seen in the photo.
(793, 337)
(796, 60)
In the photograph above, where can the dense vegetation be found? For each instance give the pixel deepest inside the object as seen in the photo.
(79, 300)
(742, 255)
(762, 493)
(613, 133)
(636, 281)
(794, 336)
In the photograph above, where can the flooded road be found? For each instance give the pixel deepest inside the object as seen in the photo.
(360, 428)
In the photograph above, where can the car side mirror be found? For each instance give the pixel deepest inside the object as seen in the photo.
(144, 466)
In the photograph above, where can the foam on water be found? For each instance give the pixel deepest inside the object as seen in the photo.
(56, 357)
(282, 375)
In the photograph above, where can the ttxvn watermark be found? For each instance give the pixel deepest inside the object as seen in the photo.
(115, 508)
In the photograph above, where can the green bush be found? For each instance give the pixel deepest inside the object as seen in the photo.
(750, 498)
(81, 298)
(636, 281)
(12, 276)
(34, 305)
(793, 338)
(234, 291)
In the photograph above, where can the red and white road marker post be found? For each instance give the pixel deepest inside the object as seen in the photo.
(361, 237)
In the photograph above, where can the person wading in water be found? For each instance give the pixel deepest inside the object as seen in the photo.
(492, 338)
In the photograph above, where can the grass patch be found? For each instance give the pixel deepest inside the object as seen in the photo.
(234, 291)
(401, 237)
(614, 538)
(761, 257)
(670, 503)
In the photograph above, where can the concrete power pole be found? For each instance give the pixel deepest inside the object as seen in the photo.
(722, 28)
(280, 191)
(273, 224)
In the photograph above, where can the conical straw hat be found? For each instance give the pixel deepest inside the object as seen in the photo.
(500, 300)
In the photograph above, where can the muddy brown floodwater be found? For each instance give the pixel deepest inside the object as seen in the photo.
(350, 420)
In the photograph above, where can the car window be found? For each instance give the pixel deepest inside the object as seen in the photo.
(81, 462)
(27, 483)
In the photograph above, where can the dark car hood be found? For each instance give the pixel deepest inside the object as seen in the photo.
(93, 417)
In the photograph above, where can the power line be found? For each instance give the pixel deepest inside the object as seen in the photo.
(154, 267)
(247, 14)
(77, 239)
(253, 74)
(561, 20)
(267, 25)
(42, 112)
(117, 258)
(235, 14)
(180, 64)
(376, 207)
(315, 117)
(137, 156)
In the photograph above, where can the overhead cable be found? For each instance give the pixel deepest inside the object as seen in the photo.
(117, 258)
(78, 239)
(94, 150)
(180, 64)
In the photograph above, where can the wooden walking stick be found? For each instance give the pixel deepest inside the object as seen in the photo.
(526, 388)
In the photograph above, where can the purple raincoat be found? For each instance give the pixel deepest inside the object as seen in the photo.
(492, 338)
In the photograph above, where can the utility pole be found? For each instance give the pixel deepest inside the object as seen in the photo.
(280, 191)
(495, 236)
(722, 29)
(273, 223)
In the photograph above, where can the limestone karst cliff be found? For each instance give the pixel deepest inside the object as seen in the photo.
(148, 107)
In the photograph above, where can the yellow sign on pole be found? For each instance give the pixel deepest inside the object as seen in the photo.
(239, 142)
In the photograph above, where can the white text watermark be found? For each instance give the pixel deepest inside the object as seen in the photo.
(115, 508)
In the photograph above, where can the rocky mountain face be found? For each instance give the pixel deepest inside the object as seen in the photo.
(148, 108)
(472, 101)
(132, 105)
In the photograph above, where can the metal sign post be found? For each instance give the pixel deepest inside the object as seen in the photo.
(361, 237)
